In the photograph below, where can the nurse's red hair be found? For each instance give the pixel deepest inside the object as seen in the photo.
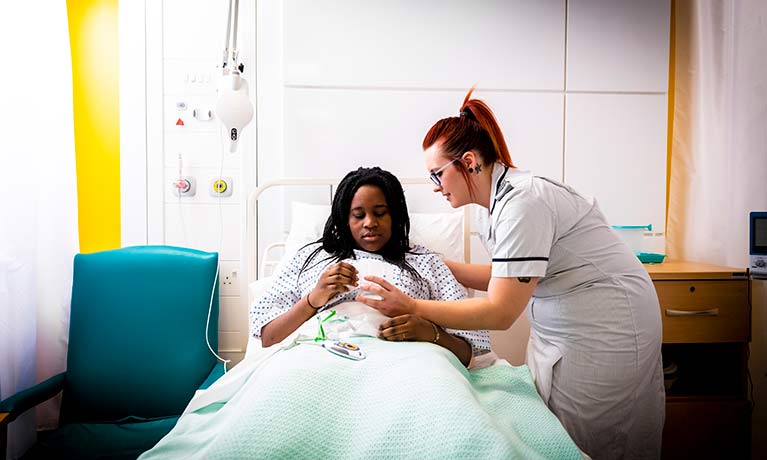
(476, 129)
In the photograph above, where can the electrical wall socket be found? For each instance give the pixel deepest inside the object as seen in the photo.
(229, 279)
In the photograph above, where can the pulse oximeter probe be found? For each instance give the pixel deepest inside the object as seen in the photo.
(347, 350)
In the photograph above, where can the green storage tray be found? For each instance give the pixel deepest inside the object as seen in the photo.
(651, 257)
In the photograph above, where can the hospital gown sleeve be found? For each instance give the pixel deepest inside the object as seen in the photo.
(444, 286)
(281, 295)
(524, 229)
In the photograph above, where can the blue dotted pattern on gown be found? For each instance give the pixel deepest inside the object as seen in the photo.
(437, 283)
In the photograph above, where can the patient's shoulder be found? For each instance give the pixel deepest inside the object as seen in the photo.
(306, 250)
(422, 255)
(297, 260)
(422, 251)
(443, 285)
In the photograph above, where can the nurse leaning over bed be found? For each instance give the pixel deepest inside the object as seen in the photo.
(369, 221)
(595, 326)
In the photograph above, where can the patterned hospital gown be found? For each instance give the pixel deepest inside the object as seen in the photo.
(437, 283)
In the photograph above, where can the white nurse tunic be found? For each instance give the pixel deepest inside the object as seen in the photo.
(595, 326)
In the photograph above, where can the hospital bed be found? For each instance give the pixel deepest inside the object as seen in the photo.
(405, 400)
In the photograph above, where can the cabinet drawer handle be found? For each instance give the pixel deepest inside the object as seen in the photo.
(709, 312)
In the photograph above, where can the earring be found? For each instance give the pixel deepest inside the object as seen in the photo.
(471, 170)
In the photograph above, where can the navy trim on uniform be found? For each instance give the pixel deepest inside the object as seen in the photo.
(497, 185)
(520, 259)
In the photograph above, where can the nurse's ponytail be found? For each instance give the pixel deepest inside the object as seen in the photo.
(477, 110)
(475, 128)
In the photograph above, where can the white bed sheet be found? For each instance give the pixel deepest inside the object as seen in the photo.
(244, 383)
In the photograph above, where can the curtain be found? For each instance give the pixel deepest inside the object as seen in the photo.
(719, 145)
(38, 204)
(719, 151)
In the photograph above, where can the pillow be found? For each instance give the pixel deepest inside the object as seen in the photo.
(439, 232)
(307, 222)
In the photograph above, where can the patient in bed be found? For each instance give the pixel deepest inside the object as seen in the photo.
(407, 399)
(366, 234)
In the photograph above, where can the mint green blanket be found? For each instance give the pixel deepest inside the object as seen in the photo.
(405, 401)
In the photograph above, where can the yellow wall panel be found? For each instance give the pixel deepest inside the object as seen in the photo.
(93, 39)
(671, 77)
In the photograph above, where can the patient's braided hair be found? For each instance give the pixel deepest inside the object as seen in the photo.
(337, 239)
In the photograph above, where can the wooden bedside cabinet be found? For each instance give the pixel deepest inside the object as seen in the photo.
(706, 325)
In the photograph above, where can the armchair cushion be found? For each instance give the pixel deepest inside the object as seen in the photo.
(114, 441)
(119, 440)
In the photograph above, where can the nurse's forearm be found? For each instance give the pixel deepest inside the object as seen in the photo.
(467, 314)
(506, 300)
(474, 276)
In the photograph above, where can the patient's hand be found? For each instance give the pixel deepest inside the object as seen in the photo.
(406, 327)
(334, 280)
(393, 302)
(414, 328)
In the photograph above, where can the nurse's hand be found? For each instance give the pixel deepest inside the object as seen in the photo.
(407, 327)
(390, 301)
(335, 280)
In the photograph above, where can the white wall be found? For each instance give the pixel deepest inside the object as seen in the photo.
(579, 88)
(133, 173)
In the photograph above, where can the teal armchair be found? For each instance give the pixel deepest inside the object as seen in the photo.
(137, 352)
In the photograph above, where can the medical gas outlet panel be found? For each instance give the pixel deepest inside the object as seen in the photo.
(217, 187)
(185, 186)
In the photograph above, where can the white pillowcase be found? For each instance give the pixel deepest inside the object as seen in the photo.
(439, 232)
(307, 222)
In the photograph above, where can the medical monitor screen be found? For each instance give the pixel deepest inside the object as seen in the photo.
(759, 234)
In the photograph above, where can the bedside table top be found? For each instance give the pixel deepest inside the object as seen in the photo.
(680, 270)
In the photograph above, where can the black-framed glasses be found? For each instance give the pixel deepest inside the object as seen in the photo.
(435, 175)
